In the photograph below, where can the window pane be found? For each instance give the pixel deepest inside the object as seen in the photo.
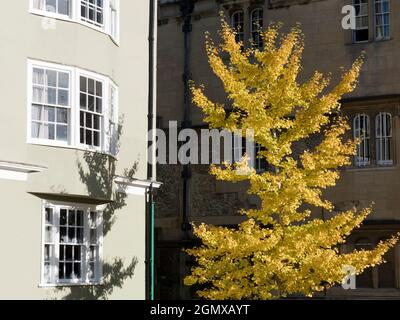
(77, 253)
(99, 17)
(96, 139)
(47, 272)
(68, 255)
(88, 136)
(62, 253)
(77, 271)
(63, 80)
(62, 115)
(92, 253)
(99, 88)
(82, 136)
(96, 122)
(49, 114)
(36, 112)
(83, 11)
(71, 217)
(93, 236)
(79, 235)
(48, 252)
(89, 120)
(93, 219)
(36, 127)
(61, 272)
(62, 133)
(83, 102)
(91, 86)
(63, 97)
(51, 78)
(83, 84)
(51, 96)
(71, 235)
(38, 76)
(51, 5)
(63, 217)
(91, 271)
(388, 126)
(91, 103)
(49, 237)
(63, 235)
(63, 7)
(38, 94)
(91, 14)
(68, 270)
(49, 131)
(82, 119)
(99, 105)
(79, 220)
(49, 216)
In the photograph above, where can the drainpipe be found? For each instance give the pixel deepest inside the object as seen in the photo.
(187, 8)
(151, 165)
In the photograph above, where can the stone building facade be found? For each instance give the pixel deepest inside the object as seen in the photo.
(190, 194)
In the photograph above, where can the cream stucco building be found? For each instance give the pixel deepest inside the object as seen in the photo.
(73, 159)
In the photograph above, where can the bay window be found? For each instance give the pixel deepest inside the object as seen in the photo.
(102, 15)
(72, 244)
(72, 107)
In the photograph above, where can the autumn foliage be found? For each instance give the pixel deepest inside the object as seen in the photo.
(279, 249)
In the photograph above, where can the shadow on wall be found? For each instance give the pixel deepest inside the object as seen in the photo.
(114, 275)
(97, 171)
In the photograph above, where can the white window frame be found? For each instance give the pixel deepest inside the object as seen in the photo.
(105, 107)
(384, 152)
(381, 14)
(364, 146)
(253, 21)
(114, 25)
(360, 16)
(31, 102)
(240, 34)
(75, 16)
(50, 14)
(74, 119)
(85, 259)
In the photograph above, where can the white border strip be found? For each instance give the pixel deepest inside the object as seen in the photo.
(17, 171)
(135, 186)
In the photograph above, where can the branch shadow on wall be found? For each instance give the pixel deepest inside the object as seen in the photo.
(98, 171)
(114, 274)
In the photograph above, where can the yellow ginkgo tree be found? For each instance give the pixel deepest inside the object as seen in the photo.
(279, 249)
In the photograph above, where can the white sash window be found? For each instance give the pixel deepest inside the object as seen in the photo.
(72, 244)
(70, 107)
